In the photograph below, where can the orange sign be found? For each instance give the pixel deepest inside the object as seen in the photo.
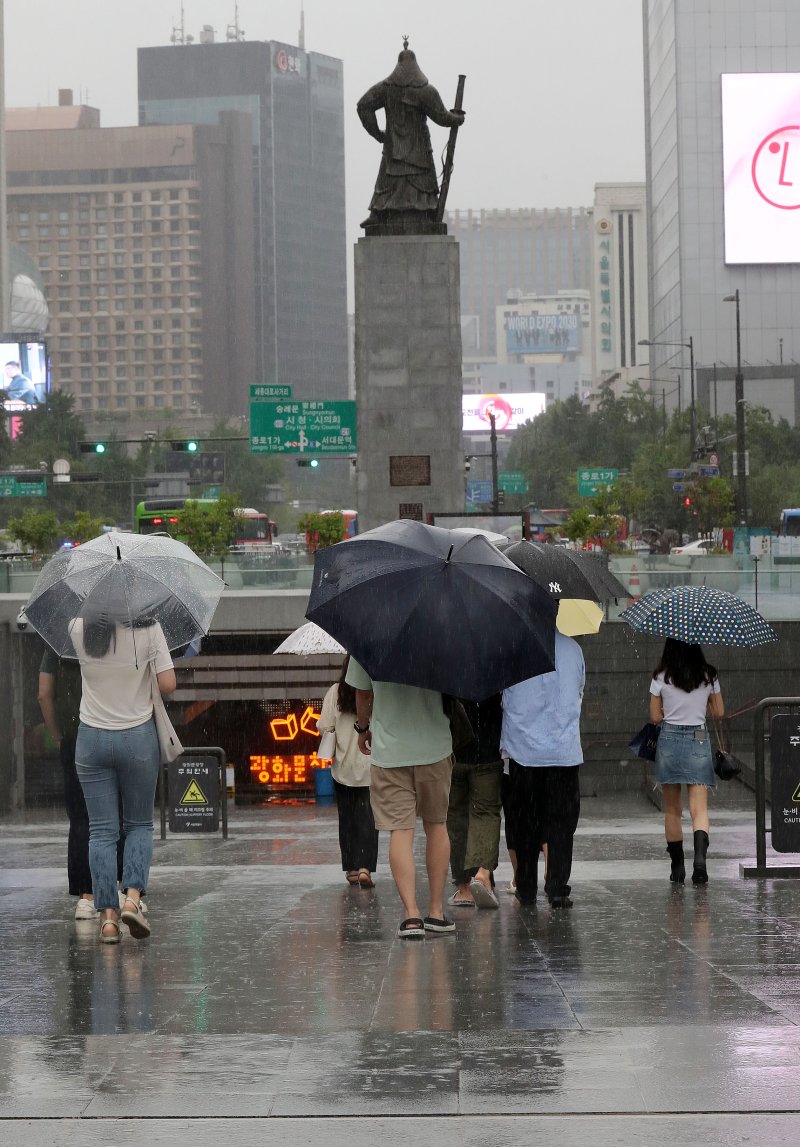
(280, 770)
(287, 728)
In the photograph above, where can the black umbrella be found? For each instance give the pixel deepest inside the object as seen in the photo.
(420, 605)
(565, 574)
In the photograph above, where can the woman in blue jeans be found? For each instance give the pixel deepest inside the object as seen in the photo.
(117, 755)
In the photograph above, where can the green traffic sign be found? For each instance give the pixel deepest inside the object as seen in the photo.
(512, 481)
(303, 426)
(11, 487)
(590, 481)
(267, 392)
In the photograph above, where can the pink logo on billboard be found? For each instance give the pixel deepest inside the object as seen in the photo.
(282, 60)
(776, 168)
(494, 404)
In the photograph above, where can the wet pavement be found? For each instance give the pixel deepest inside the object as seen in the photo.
(275, 1000)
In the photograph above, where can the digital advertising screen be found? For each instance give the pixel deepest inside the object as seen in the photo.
(761, 163)
(510, 410)
(26, 379)
(543, 334)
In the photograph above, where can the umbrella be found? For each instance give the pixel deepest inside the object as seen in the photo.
(130, 578)
(498, 539)
(308, 640)
(421, 605)
(576, 616)
(699, 615)
(564, 573)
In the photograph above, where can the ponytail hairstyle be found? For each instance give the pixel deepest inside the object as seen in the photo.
(684, 666)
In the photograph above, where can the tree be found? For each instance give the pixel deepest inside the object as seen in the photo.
(209, 532)
(599, 520)
(82, 527)
(322, 530)
(37, 530)
(712, 501)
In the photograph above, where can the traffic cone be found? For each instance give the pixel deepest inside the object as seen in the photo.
(634, 585)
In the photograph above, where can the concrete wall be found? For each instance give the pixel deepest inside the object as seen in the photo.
(408, 374)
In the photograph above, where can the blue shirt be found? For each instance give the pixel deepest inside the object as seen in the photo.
(541, 716)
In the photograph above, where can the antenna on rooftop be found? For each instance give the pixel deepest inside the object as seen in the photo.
(234, 32)
(301, 36)
(179, 31)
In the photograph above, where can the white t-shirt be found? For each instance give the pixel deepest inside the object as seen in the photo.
(350, 767)
(116, 688)
(680, 707)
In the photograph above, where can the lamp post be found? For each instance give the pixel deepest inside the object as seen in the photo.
(692, 416)
(741, 453)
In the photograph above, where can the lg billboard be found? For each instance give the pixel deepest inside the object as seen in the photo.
(510, 410)
(761, 159)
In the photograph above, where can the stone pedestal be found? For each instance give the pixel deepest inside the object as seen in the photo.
(408, 378)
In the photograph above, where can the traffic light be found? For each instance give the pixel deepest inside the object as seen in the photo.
(501, 497)
(189, 445)
(312, 462)
(93, 447)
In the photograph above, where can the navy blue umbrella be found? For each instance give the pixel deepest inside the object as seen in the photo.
(421, 605)
(700, 615)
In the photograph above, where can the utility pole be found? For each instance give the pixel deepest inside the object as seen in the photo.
(741, 450)
(493, 447)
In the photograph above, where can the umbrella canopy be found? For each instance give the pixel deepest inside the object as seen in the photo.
(498, 539)
(308, 640)
(699, 615)
(421, 605)
(563, 573)
(576, 617)
(130, 579)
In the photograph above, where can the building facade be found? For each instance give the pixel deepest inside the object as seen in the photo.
(531, 251)
(144, 244)
(719, 92)
(295, 102)
(552, 336)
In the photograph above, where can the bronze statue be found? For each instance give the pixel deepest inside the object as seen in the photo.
(406, 199)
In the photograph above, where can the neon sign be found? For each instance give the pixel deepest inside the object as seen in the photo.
(285, 750)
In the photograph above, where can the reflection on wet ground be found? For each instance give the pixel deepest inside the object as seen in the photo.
(271, 988)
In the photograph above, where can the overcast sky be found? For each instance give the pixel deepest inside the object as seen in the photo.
(553, 94)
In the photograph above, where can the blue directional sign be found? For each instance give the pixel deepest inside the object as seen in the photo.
(479, 490)
(676, 475)
(679, 487)
(708, 471)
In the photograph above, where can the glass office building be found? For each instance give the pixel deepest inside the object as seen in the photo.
(295, 101)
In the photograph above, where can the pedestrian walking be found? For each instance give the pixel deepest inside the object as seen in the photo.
(117, 754)
(59, 701)
(541, 738)
(407, 731)
(358, 837)
(473, 816)
(683, 689)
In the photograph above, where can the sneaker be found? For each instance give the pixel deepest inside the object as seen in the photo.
(85, 909)
(443, 925)
(142, 905)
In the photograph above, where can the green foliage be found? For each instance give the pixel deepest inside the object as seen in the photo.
(712, 503)
(209, 532)
(82, 527)
(322, 529)
(598, 520)
(37, 530)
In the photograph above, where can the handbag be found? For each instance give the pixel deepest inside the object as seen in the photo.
(726, 765)
(644, 743)
(327, 746)
(168, 740)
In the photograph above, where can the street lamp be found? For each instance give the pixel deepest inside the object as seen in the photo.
(741, 454)
(693, 416)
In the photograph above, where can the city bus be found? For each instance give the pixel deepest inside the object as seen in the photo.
(254, 531)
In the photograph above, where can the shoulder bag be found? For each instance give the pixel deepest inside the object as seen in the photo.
(726, 765)
(168, 739)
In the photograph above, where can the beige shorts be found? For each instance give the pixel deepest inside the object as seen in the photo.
(398, 796)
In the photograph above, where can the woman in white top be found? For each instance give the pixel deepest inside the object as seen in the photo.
(358, 837)
(683, 688)
(117, 755)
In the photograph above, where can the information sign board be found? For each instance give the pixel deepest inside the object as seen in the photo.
(266, 393)
(306, 426)
(676, 475)
(194, 793)
(784, 743)
(512, 481)
(479, 491)
(12, 487)
(590, 481)
(708, 471)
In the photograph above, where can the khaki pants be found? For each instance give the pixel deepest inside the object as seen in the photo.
(473, 819)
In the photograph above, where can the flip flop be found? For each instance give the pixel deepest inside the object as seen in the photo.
(352, 877)
(364, 879)
(484, 897)
(457, 901)
(412, 929)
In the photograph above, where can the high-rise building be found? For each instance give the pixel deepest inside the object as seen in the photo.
(721, 86)
(529, 251)
(143, 238)
(295, 101)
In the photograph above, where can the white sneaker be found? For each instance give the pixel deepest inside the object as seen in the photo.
(85, 909)
(122, 903)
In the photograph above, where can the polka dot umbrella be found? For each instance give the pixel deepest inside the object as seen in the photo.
(700, 615)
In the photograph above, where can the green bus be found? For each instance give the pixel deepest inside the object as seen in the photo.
(254, 531)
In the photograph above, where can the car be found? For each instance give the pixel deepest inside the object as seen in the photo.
(696, 549)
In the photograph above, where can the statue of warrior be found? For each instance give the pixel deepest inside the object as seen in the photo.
(406, 192)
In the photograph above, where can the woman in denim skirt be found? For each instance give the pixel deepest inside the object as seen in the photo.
(683, 688)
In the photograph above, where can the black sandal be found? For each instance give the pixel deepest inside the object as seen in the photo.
(412, 929)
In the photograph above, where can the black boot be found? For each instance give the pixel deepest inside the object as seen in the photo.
(678, 871)
(699, 872)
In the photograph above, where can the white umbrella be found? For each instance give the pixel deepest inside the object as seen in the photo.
(490, 535)
(308, 640)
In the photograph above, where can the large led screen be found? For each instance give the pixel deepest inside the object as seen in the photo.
(761, 158)
(510, 410)
(25, 378)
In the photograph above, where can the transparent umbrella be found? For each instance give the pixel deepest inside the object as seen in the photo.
(308, 640)
(130, 579)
